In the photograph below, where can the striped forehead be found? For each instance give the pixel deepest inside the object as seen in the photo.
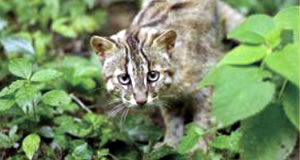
(137, 63)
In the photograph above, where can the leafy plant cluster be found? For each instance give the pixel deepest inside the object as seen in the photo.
(51, 100)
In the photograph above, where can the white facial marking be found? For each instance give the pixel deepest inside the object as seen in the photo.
(109, 86)
(130, 72)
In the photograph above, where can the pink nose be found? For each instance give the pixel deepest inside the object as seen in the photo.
(140, 99)
(141, 102)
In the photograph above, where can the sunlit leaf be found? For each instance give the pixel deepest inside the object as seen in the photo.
(45, 75)
(16, 44)
(56, 98)
(21, 68)
(239, 92)
(31, 145)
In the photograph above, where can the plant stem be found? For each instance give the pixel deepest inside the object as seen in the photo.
(282, 89)
(82, 105)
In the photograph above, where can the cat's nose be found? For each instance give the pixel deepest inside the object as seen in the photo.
(140, 99)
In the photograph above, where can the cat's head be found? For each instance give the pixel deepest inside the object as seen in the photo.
(137, 65)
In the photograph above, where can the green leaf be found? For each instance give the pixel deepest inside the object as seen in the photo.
(45, 75)
(82, 152)
(289, 19)
(192, 137)
(17, 44)
(286, 63)
(239, 93)
(6, 104)
(31, 144)
(159, 153)
(291, 104)
(254, 29)
(230, 143)
(25, 97)
(244, 54)
(21, 68)
(62, 28)
(56, 98)
(268, 135)
(12, 88)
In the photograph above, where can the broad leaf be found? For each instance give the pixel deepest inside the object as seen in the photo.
(6, 104)
(289, 19)
(286, 63)
(31, 144)
(56, 98)
(239, 92)
(254, 29)
(291, 104)
(244, 54)
(267, 136)
(12, 88)
(21, 68)
(16, 44)
(45, 75)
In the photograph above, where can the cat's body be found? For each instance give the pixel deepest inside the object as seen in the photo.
(169, 47)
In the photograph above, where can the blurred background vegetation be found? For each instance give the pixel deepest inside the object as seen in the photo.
(54, 34)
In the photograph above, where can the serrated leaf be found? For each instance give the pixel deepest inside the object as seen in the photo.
(45, 75)
(291, 104)
(30, 145)
(267, 136)
(21, 68)
(286, 63)
(239, 93)
(289, 19)
(25, 97)
(13, 87)
(244, 54)
(56, 98)
(192, 137)
(6, 104)
(254, 29)
(16, 44)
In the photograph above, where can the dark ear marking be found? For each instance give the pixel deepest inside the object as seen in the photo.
(102, 45)
(166, 40)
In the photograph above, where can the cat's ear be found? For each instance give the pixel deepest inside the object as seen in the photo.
(166, 40)
(102, 46)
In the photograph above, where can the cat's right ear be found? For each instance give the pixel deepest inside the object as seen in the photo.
(103, 46)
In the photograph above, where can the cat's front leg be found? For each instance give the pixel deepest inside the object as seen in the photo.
(174, 124)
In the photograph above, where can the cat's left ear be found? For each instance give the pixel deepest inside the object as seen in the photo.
(166, 40)
(103, 46)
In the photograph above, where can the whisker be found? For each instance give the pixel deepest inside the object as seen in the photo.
(124, 115)
(116, 110)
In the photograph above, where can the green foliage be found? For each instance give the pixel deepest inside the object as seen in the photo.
(257, 83)
(51, 99)
(268, 135)
(31, 144)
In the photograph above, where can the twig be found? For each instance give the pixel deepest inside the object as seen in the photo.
(77, 100)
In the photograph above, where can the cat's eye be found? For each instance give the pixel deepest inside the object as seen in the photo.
(153, 76)
(124, 79)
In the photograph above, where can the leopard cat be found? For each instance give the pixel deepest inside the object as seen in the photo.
(160, 58)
